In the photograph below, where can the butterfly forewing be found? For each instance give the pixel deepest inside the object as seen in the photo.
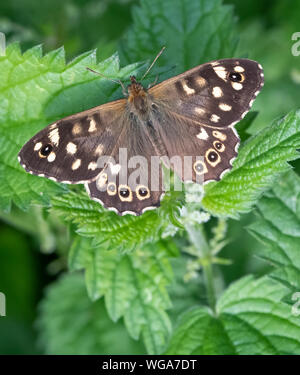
(68, 150)
(216, 94)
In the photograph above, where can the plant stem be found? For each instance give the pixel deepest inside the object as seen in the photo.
(198, 239)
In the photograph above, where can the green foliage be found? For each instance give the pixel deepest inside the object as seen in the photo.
(71, 324)
(129, 262)
(108, 229)
(251, 319)
(278, 228)
(134, 286)
(204, 31)
(259, 163)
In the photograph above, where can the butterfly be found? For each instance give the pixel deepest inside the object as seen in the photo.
(192, 114)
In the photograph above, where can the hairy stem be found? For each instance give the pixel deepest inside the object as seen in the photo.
(198, 239)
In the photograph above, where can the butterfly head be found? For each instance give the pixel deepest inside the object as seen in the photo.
(135, 89)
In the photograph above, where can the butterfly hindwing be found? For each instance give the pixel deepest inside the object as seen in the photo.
(131, 179)
(205, 152)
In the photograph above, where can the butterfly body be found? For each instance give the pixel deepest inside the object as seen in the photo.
(188, 117)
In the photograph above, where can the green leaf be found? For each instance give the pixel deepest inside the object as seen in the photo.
(69, 323)
(134, 287)
(259, 163)
(110, 230)
(278, 228)
(36, 90)
(250, 320)
(204, 31)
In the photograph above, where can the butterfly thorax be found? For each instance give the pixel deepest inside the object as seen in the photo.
(137, 97)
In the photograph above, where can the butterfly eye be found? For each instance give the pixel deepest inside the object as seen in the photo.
(45, 151)
(125, 193)
(212, 157)
(111, 188)
(200, 167)
(219, 146)
(236, 77)
(142, 192)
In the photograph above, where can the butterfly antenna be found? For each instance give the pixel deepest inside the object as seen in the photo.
(118, 81)
(153, 62)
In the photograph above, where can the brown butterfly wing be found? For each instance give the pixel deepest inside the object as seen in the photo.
(131, 179)
(76, 143)
(196, 153)
(207, 93)
(195, 114)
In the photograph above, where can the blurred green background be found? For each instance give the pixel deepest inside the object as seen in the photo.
(27, 264)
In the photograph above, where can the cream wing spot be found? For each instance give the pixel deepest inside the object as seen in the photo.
(76, 128)
(239, 69)
(71, 148)
(101, 180)
(37, 146)
(219, 135)
(92, 165)
(200, 111)
(217, 92)
(54, 136)
(203, 134)
(187, 89)
(221, 72)
(53, 126)
(214, 118)
(76, 164)
(201, 81)
(99, 149)
(51, 157)
(92, 126)
(225, 107)
(236, 85)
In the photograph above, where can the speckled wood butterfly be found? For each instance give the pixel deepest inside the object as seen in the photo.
(192, 114)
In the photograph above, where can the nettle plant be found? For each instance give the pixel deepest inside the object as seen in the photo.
(140, 272)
